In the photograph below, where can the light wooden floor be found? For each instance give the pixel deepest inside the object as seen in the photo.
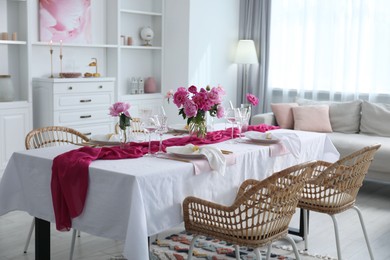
(373, 200)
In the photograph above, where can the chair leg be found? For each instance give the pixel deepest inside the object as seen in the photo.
(305, 226)
(258, 254)
(364, 231)
(72, 244)
(336, 232)
(294, 246)
(192, 247)
(269, 251)
(29, 236)
(237, 247)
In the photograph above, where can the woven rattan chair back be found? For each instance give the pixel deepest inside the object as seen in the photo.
(336, 185)
(260, 213)
(135, 125)
(53, 136)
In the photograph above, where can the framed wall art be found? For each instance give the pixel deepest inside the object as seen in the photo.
(68, 21)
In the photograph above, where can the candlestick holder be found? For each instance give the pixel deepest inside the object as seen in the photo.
(51, 63)
(61, 56)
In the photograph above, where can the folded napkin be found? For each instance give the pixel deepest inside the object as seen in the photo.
(214, 156)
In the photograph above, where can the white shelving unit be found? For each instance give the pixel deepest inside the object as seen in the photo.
(29, 58)
(16, 115)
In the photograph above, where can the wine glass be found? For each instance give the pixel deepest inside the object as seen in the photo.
(239, 115)
(162, 128)
(231, 118)
(149, 126)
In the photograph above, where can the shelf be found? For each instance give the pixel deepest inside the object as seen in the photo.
(142, 96)
(128, 11)
(77, 45)
(13, 42)
(14, 104)
(142, 47)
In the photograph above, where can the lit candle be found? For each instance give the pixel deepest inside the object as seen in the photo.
(51, 44)
(60, 47)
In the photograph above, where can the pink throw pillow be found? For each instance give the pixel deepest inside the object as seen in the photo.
(312, 118)
(283, 114)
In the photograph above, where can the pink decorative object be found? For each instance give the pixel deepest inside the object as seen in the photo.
(150, 85)
(252, 99)
(65, 20)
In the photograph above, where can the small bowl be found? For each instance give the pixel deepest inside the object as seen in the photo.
(70, 74)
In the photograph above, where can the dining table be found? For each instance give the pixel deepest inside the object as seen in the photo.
(133, 199)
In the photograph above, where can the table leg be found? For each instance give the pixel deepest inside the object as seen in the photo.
(42, 239)
(300, 232)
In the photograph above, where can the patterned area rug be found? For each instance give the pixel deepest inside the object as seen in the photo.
(175, 247)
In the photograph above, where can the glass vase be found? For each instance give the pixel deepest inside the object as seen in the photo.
(125, 136)
(198, 128)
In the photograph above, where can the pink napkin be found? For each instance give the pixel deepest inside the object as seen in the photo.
(202, 164)
(278, 150)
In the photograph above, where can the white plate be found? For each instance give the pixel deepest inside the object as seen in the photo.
(258, 137)
(103, 140)
(180, 128)
(185, 152)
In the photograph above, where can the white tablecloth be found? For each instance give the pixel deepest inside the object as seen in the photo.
(132, 199)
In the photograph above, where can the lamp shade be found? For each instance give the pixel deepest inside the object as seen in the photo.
(246, 52)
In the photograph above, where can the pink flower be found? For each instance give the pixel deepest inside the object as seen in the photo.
(193, 89)
(220, 90)
(214, 96)
(200, 100)
(169, 95)
(220, 111)
(190, 108)
(252, 99)
(120, 108)
(180, 97)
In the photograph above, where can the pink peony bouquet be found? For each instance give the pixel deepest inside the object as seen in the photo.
(193, 105)
(121, 110)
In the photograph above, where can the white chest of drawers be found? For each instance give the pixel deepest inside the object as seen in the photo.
(80, 103)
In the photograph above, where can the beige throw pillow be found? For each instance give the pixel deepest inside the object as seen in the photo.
(312, 118)
(283, 114)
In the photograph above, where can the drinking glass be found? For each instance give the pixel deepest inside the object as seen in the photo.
(149, 126)
(239, 115)
(231, 118)
(162, 128)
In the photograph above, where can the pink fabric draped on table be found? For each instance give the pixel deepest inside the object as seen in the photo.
(69, 183)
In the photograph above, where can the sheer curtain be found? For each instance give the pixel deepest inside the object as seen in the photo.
(329, 50)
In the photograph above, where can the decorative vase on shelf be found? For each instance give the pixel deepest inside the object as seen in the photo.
(6, 88)
(150, 85)
(198, 127)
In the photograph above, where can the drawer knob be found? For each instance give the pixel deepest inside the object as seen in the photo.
(70, 88)
(86, 116)
(85, 100)
(89, 133)
(100, 86)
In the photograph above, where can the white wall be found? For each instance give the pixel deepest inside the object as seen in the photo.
(200, 41)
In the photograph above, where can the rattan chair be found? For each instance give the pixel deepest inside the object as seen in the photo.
(335, 188)
(52, 136)
(260, 214)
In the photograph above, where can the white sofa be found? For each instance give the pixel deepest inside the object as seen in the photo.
(355, 124)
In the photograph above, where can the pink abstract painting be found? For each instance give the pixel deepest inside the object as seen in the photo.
(65, 20)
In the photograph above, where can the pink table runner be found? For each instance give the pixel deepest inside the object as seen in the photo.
(69, 183)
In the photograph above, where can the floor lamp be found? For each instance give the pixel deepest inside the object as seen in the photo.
(246, 55)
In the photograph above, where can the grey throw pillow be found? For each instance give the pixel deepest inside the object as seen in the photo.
(344, 116)
(375, 119)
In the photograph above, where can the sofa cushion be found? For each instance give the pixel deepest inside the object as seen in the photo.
(312, 118)
(375, 119)
(349, 143)
(283, 114)
(344, 116)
